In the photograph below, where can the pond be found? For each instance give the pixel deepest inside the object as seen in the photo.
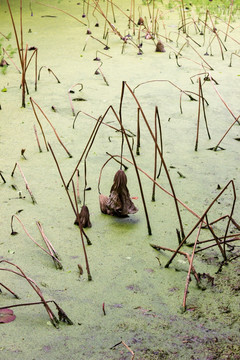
(93, 57)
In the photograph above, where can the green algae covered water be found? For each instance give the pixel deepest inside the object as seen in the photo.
(142, 299)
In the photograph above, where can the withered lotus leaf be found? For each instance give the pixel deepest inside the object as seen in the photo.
(84, 217)
(6, 316)
(160, 47)
(118, 203)
(103, 199)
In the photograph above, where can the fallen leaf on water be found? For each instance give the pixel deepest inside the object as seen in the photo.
(6, 316)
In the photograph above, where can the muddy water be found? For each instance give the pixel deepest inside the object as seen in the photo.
(142, 298)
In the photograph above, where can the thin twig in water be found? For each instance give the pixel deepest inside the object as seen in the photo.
(35, 131)
(81, 233)
(55, 132)
(190, 267)
(51, 249)
(26, 183)
(69, 96)
(49, 71)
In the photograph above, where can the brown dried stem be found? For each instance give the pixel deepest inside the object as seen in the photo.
(222, 250)
(62, 315)
(49, 71)
(127, 347)
(9, 290)
(35, 52)
(198, 118)
(218, 144)
(63, 11)
(230, 64)
(161, 156)
(69, 96)
(92, 117)
(9, 57)
(156, 122)
(201, 99)
(129, 17)
(26, 183)
(134, 162)
(50, 252)
(81, 233)
(93, 135)
(39, 123)
(35, 287)
(235, 238)
(229, 19)
(55, 132)
(190, 267)
(66, 189)
(63, 181)
(138, 133)
(158, 247)
(3, 179)
(210, 76)
(171, 83)
(35, 131)
(51, 249)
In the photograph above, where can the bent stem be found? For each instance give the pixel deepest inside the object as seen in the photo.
(230, 64)
(22, 56)
(81, 233)
(69, 96)
(134, 163)
(9, 57)
(39, 123)
(35, 287)
(9, 290)
(35, 52)
(158, 247)
(218, 144)
(190, 267)
(61, 176)
(222, 250)
(49, 71)
(90, 141)
(66, 188)
(171, 83)
(98, 124)
(210, 76)
(203, 107)
(55, 132)
(50, 253)
(63, 11)
(26, 183)
(62, 315)
(92, 117)
(100, 71)
(161, 156)
(51, 249)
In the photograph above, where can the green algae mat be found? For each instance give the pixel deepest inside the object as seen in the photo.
(119, 160)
